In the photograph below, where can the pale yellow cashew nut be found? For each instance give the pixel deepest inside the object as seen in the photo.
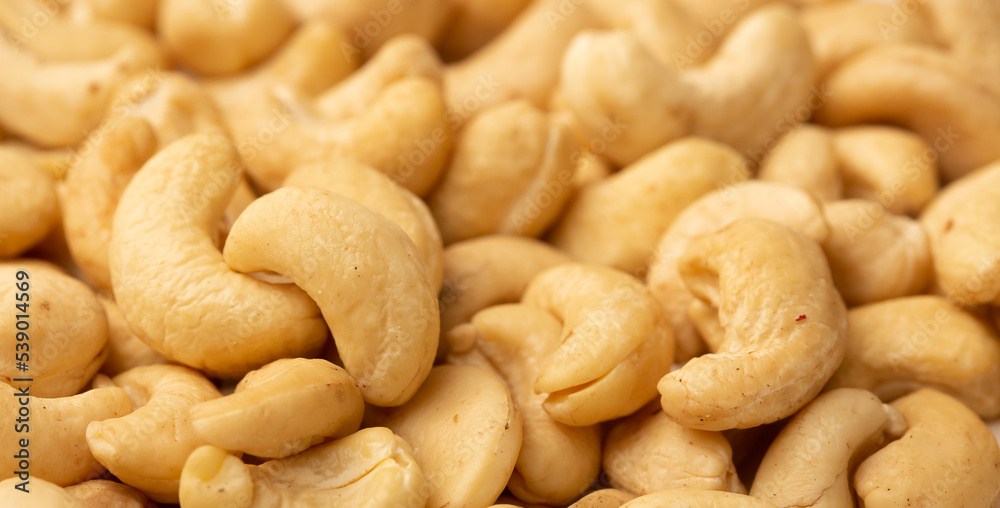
(805, 158)
(159, 427)
(28, 206)
(364, 273)
(265, 416)
(39, 493)
(604, 498)
(613, 346)
(684, 498)
(810, 462)
(784, 328)
(170, 280)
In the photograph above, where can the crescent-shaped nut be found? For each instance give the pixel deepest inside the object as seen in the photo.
(604, 498)
(952, 110)
(376, 191)
(962, 226)
(465, 430)
(899, 345)
(617, 221)
(779, 348)
(873, 254)
(514, 341)
(613, 347)
(810, 462)
(372, 468)
(109, 494)
(488, 271)
(371, 285)
(53, 434)
(215, 38)
(29, 209)
(263, 417)
(761, 200)
(805, 158)
(59, 319)
(965, 465)
(647, 452)
(511, 174)
(685, 498)
(159, 427)
(171, 283)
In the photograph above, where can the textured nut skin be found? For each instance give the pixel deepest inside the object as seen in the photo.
(264, 416)
(59, 453)
(810, 462)
(465, 430)
(875, 255)
(28, 206)
(614, 343)
(962, 226)
(171, 283)
(899, 345)
(364, 273)
(511, 174)
(159, 427)
(371, 467)
(67, 329)
(683, 498)
(647, 452)
(947, 457)
(617, 221)
(785, 328)
(514, 341)
(380, 194)
(805, 158)
(763, 200)
(109, 494)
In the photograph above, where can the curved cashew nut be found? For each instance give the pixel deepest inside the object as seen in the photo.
(372, 467)
(809, 463)
(511, 173)
(965, 465)
(465, 430)
(961, 224)
(106, 493)
(805, 158)
(618, 220)
(380, 194)
(685, 498)
(28, 206)
(263, 417)
(171, 283)
(647, 452)
(780, 345)
(767, 50)
(873, 254)
(604, 498)
(65, 335)
(614, 343)
(60, 453)
(371, 285)
(215, 38)
(713, 211)
(876, 86)
(513, 341)
(159, 427)
(896, 346)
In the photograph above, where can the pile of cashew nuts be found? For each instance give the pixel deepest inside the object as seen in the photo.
(518, 253)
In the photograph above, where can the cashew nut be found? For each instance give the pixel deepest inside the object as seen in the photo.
(465, 431)
(372, 467)
(59, 453)
(961, 225)
(474, 23)
(514, 341)
(967, 28)
(264, 416)
(713, 211)
(779, 348)
(613, 346)
(805, 158)
(41, 493)
(64, 336)
(28, 207)
(109, 494)
(511, 174)
(647, 452)
(810, 462)
(604, 498)
(947, 457)
(159, 427)
(896, 346)
(684, 498)
(873, 254)
(617, 221)
(371, 284)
